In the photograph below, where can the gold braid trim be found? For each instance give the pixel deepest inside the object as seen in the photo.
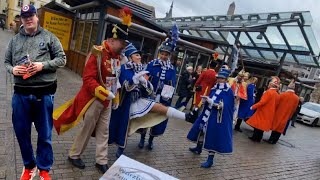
(96, 50)
(128, 86)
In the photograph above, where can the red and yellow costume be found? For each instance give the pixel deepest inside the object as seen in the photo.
(206, 80)
(287, 106)
(70, 113)
(239, 88)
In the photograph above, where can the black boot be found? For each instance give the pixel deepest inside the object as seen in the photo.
(119, 152)
(197, 149)
(192, 116)
(102, 168)
(237, 126)
(150, 141)
(77, 163)
(141, 143)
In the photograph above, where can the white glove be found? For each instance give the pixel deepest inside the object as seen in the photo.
(143, 80)
(166, 98)
(207, 99)
(137, 76)
(118, 84)
(251, 108)
(158, 98)
(111, 96)
(115, 106)
(135, 79)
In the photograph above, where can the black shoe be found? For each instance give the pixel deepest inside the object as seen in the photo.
(196, 150)
(77, 163)
(191, 117)
(269, 141)
(102, 168)
(293, 126)
(119, 152)
(238, 129)
(150, 146)
(253, 139)
(141, 144)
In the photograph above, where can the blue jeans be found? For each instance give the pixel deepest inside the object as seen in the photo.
(25, 110)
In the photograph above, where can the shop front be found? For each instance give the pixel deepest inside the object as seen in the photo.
(90, 25)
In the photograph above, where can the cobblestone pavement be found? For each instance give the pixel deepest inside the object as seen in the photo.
(296, 156)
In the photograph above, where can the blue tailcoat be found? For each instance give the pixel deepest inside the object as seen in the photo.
(119, 120)
(218, 135)
(244, 107)
(154, 69)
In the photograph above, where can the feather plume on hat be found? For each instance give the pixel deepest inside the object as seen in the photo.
(126, 16)
(215, 56)
(121, 31)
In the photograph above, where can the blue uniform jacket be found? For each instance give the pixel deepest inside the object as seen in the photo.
(119, 120)
(155, 70)
(218, 134)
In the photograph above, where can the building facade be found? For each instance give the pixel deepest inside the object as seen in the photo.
(3, 8)
(303, 72)
(11, 8)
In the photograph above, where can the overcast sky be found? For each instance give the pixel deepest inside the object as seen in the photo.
(219, 7)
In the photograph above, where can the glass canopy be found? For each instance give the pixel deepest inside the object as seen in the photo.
(264, 37)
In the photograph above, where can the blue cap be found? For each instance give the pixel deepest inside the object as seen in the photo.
(28, 10)
(166, 46)
(223, 73)
(130, 49)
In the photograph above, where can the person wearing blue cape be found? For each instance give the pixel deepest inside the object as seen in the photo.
(136, 108)
(245, 112)
(212, 131)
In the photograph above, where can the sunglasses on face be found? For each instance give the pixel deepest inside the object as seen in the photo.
(25, 16)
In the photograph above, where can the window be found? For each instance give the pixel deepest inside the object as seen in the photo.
(94, 34)
(190, 59)
(79, 35)
(203, 60)
(20, 3)
(135, 39)
(148, 49)
(86, 37)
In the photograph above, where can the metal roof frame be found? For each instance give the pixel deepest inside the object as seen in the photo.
(249, 24)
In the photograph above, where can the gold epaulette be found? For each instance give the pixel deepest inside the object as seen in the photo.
(96, 50)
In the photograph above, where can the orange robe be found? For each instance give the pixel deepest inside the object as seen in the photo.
(265, 110)
(287, 106)
(206, 80)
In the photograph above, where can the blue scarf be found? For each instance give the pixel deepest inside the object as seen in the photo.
(137, 67)
(165, 65)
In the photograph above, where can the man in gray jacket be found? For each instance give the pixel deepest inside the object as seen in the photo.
(33, 56)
